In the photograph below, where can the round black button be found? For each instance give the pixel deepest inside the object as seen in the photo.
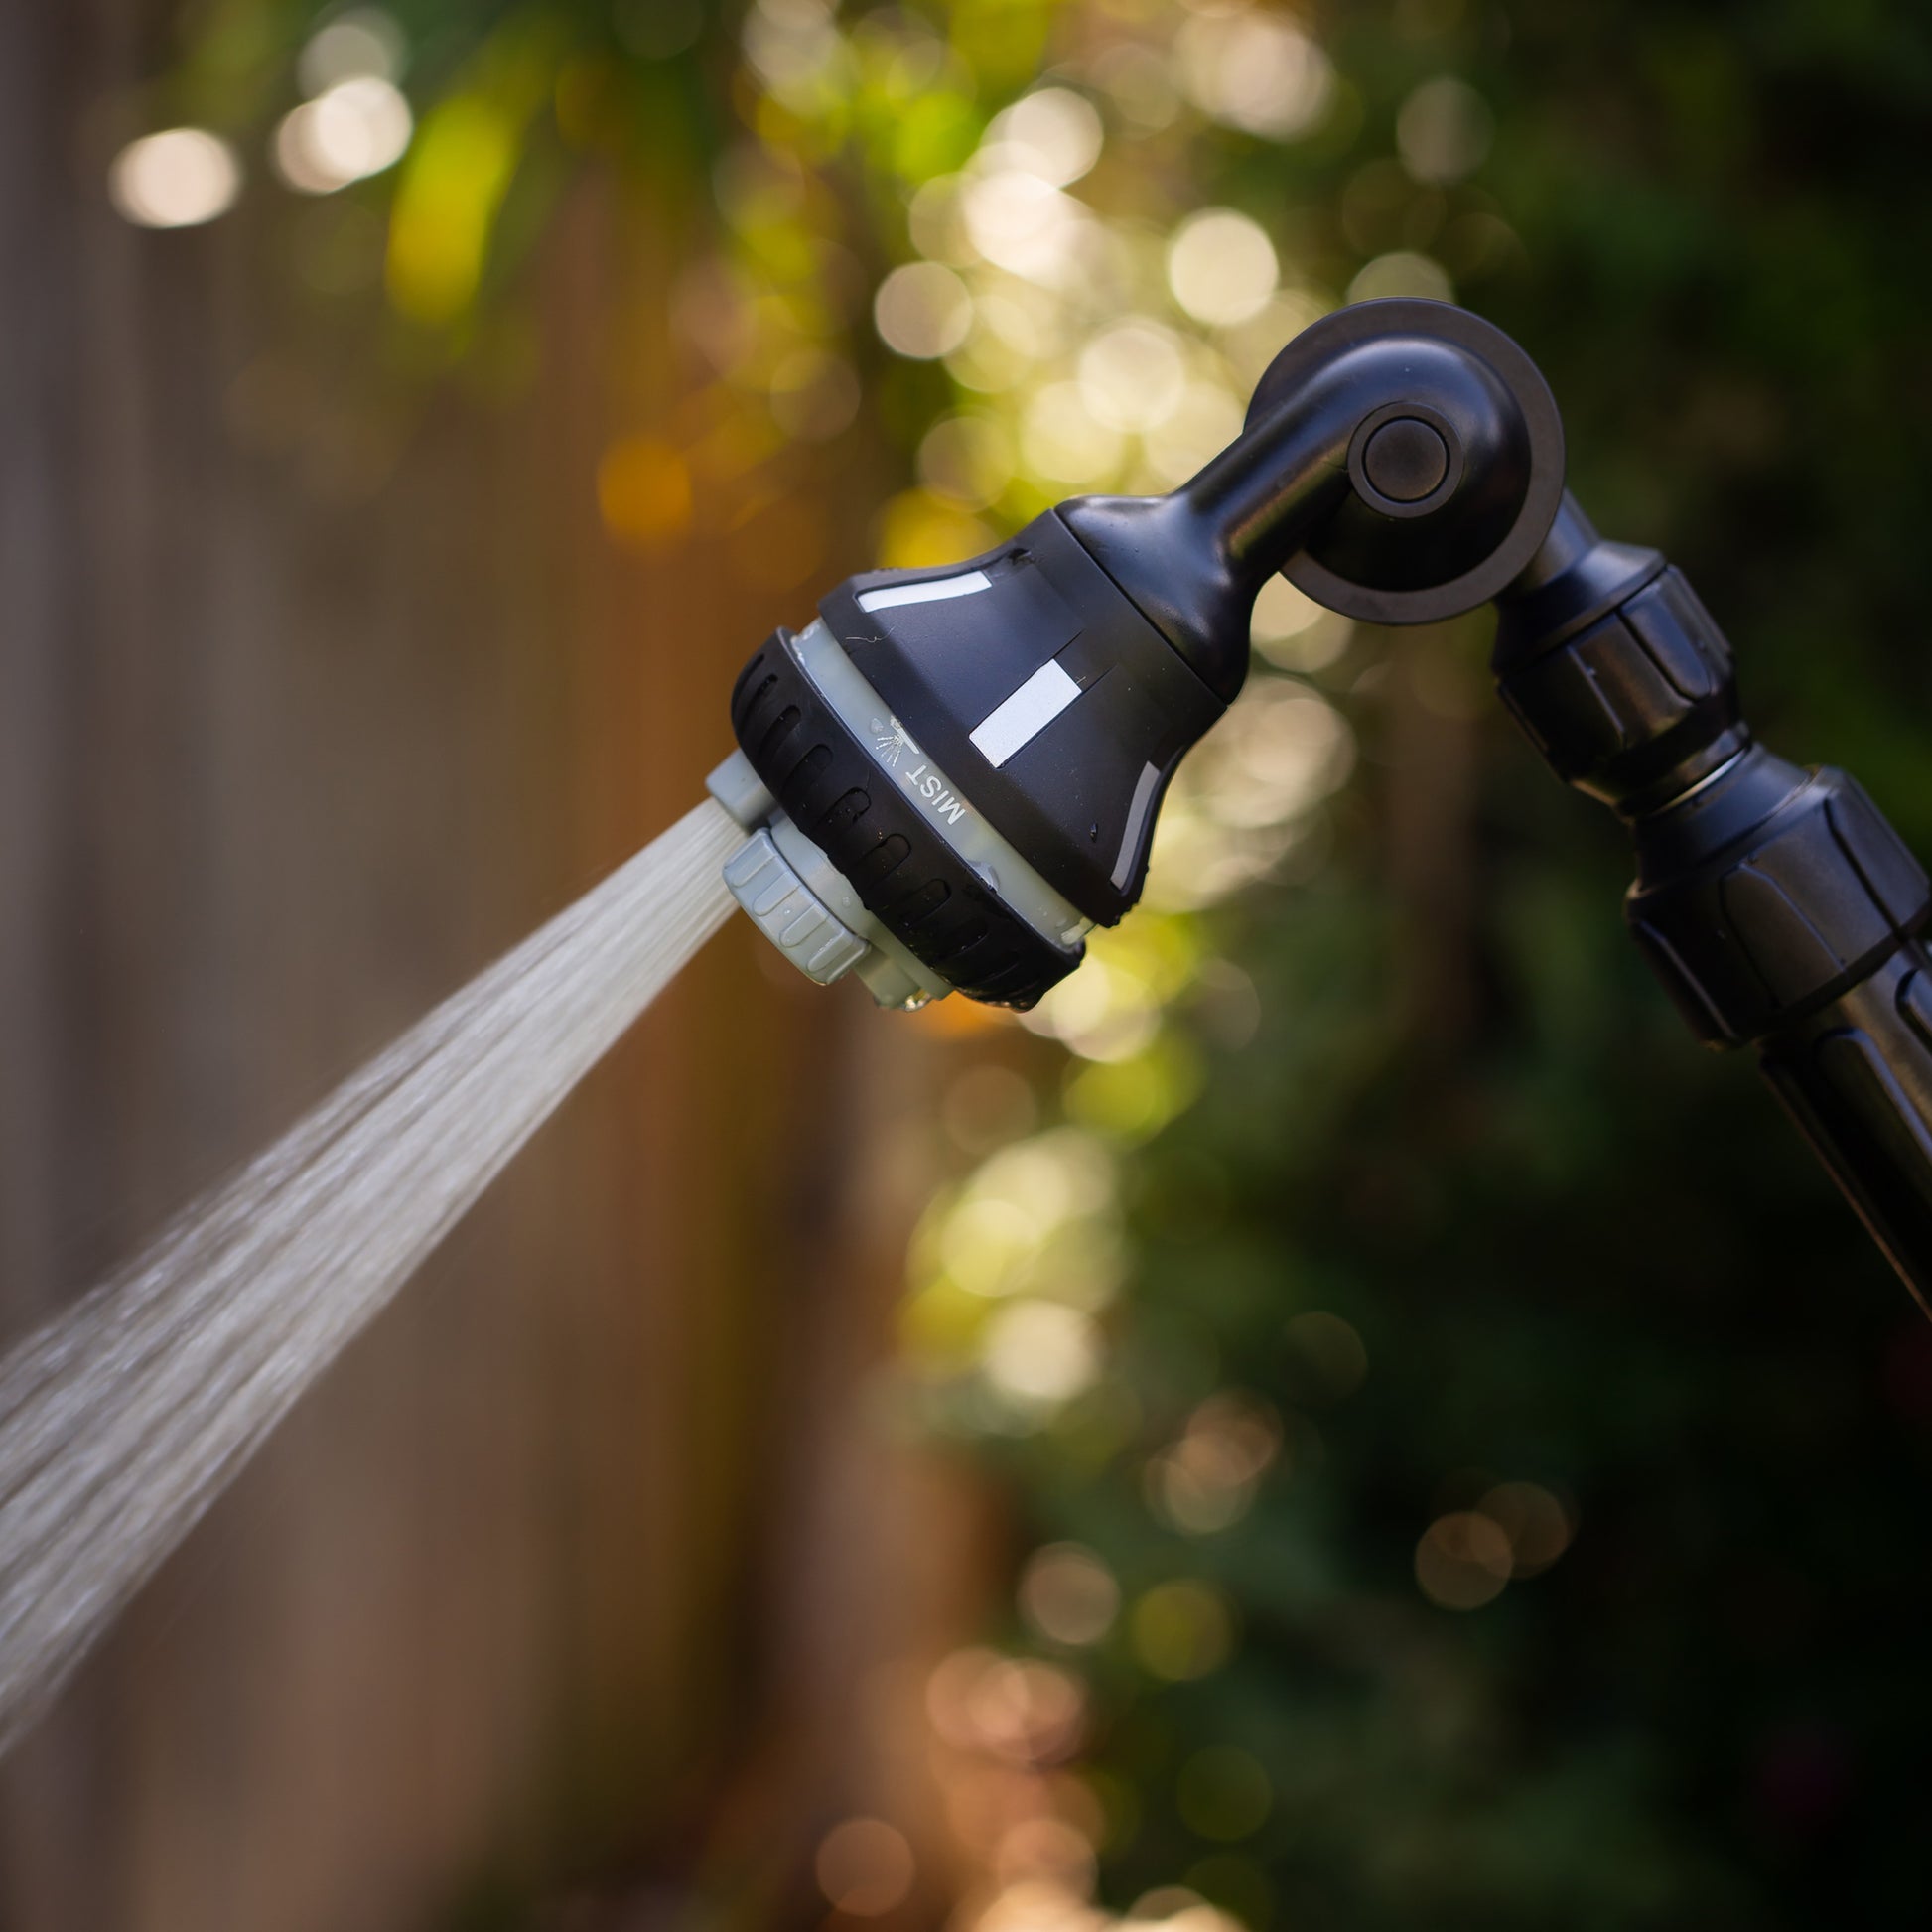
(1405, 460)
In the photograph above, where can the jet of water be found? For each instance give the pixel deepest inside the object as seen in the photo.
(123, 1419)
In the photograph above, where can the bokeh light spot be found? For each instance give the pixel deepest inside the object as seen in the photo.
(1443, 131)
(1183, 1629)
(1063, 441)
(1206, 1480)
(985, 1241)
(1053, 133)
(1221, 266)
(1045, 1849)
(177, 179)
(1018, 1710)
(1257, 71)
(1282, 610)
(798, 51)
(1139, 82)
(1294, 633)
(1132, 1099)
(1280, 749)
(1042, 1353)
(1068, 1594)
(1538, 1526)
(1131, 375)
(358, 128)
(922, 311)
(1025, 224)
(865, 1868)
(1102, 1011)
(363, 44)
(1462, 1561)
(643, 491)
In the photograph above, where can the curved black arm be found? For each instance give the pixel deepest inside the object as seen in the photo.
(1402, 460)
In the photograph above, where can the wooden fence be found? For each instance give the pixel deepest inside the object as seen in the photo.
(570, 1586)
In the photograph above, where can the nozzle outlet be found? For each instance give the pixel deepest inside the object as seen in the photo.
(793, 894)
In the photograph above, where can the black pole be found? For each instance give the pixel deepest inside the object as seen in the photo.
(1777, 906)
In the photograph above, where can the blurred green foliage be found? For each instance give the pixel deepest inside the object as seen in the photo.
(1507, 1453)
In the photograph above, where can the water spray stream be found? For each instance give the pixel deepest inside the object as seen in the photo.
(123, 1419)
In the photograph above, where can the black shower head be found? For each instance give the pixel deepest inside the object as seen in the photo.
(953, 773)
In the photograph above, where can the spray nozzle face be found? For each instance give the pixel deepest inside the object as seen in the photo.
(953, 773)
(866, 856)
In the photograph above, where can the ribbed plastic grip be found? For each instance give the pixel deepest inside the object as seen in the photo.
(1618, 708)
(1811, 901)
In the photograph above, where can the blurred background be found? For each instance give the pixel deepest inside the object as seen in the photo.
(1342, 1419)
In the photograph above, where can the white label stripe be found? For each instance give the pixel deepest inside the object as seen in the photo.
(890, 596)
(1135, 818)
(1025, 715)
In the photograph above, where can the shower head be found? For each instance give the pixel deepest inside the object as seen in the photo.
(952, 774)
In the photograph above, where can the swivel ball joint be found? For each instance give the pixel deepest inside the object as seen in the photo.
(952, 774)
